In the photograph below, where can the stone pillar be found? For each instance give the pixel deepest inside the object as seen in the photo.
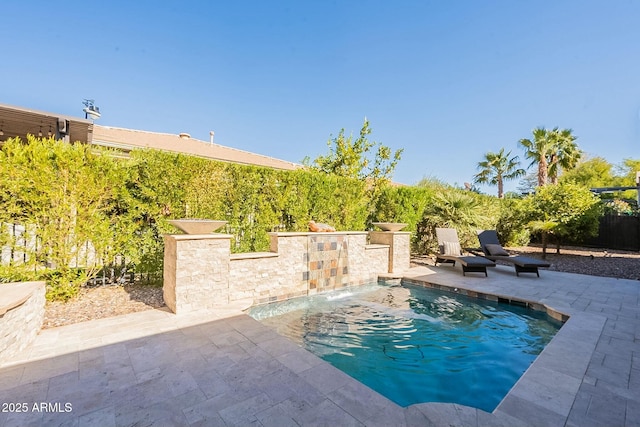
(399, 248)
(196, 271)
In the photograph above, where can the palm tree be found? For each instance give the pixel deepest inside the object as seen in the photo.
(552, 150)
(498, 167)
(565, 153)
(539, 150)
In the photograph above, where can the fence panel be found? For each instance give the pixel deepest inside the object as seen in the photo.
(620, 232)
(22, 242)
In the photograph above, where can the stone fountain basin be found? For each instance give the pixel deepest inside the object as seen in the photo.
(390, 226)
(197, 226)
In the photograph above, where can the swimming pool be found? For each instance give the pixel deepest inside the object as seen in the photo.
(414, 344)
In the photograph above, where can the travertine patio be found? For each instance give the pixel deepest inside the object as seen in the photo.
(221, 367)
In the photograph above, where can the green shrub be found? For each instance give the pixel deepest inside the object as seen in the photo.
(511, 226)
(64, 283)
(62, 194)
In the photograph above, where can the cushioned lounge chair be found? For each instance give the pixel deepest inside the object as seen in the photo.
(451, 252)
(494, 251)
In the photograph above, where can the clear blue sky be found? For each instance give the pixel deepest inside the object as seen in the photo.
(445, 80)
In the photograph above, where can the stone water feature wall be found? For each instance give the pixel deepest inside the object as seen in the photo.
(327, 260)
(200, 272)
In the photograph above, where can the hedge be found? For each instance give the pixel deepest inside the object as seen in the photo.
(78, 209)
(83, 208)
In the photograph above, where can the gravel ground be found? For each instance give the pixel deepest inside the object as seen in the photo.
(111, 300)
(594, 262)
(97, 302)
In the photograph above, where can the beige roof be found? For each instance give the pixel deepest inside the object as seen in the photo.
(18, 122)
(129, 139)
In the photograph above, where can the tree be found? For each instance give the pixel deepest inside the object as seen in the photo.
(565, 153)
(538, 150)
(563, 211)
(361, 159)
(592, 173)
(628, 171)
(552, 150)
(528, 183)
(497, 167)
(627, 178)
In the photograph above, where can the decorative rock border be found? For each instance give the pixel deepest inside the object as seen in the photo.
(21, 316)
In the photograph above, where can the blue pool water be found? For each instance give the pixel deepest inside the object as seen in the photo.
(416, 345)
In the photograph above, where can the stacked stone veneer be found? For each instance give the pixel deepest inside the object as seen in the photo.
(21, 316)
(196, 271)
(200, 272)
(399, 248)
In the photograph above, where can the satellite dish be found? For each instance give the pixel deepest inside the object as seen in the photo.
(467, 186)
(90, 110)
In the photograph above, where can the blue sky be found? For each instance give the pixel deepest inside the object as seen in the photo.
(446, 80)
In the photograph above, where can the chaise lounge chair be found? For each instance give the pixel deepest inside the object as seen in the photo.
(451, 252)
(494, 251)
